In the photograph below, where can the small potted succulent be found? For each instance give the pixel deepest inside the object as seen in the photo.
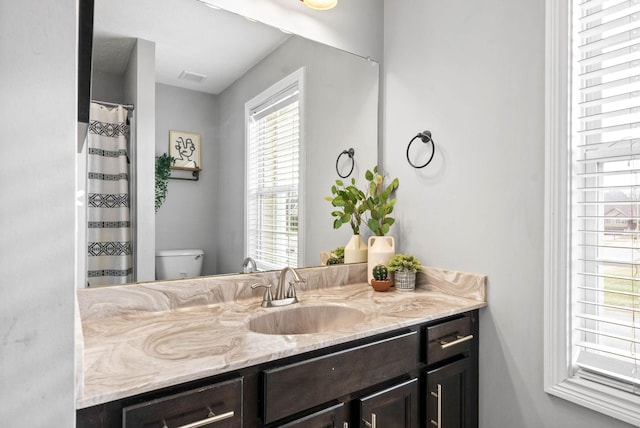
(337, 257)
(380, 280)
(405, 267)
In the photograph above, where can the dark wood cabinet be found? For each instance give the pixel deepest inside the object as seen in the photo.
(450, 391)
(394, 407)
(292, 388)
(448, 395)
(218, 405)
(420, 376)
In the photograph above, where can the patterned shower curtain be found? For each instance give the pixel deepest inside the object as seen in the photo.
(109, 260)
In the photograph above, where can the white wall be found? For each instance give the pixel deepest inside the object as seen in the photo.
(38, 118)
(473, 73)
(188, 217)
(354, 26)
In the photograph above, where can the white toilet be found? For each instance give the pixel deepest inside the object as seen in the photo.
(175, 264)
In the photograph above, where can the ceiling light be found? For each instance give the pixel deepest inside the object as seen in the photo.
(320, 4)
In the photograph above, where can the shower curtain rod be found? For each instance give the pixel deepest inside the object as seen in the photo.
(105, 103)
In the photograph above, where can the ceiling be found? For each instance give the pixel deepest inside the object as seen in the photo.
(189, 36)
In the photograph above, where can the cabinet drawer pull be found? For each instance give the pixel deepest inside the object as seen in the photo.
(459, 339)
(373, 421)
(438, 395)
(209, 420)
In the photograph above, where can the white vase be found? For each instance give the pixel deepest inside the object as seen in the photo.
(381, 249)
(355, 251)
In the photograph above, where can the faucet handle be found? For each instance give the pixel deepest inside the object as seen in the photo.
(291, 290)
(268, 297)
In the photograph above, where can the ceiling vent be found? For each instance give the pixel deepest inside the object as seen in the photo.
(192, 77)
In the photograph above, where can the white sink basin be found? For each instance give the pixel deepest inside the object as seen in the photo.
(306, 320)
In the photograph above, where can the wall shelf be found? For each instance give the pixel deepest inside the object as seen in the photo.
(183, 173)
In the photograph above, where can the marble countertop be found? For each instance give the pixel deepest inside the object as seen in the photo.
(134, 351)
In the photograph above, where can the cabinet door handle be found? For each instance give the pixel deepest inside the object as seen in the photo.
(459, 339)
(438, 395)
(209, 420)
(373, 421)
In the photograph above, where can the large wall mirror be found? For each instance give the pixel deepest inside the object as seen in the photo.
(208, 64)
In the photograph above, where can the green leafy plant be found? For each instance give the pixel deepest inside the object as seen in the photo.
(380, 272)
(348, 201)
(333, 261)
(404, 263)
(338, 253)
(379, 202)
(163, 171)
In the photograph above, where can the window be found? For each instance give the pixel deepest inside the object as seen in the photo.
(273, 181)
(592, 197)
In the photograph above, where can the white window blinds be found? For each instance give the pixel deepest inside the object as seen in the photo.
(605, 206)
(273, 177)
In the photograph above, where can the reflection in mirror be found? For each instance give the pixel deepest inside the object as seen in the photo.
(208, 65)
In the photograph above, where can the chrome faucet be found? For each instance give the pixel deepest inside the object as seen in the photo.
(285, 294)
(249, 261)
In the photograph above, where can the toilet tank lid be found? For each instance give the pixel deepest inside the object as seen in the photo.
(177, 253)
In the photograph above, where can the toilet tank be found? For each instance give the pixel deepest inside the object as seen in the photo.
(175, 264)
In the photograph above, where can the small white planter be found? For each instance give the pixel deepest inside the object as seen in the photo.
(405, 281)
(355, 251)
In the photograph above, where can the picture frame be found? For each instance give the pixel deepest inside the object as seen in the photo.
(184, 146)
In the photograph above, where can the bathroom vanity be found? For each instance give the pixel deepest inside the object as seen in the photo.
(400, 360)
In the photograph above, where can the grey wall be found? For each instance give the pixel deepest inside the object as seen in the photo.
(107, 87)
(38, 117)
(473, 73)
(187, 219)
(139, 90)
(341, 109)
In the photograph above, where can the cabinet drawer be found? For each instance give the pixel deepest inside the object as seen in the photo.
(296, 387)
(331, 417)
(214, 406)
(449, 338)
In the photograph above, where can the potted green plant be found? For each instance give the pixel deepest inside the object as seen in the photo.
(337, 257)
(163, 171)
(379, 202)
(405, 267)
(348, 201)
(380, 280)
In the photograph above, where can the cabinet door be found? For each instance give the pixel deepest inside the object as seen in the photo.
(395, 407)
(332, 417)
(449, 396)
